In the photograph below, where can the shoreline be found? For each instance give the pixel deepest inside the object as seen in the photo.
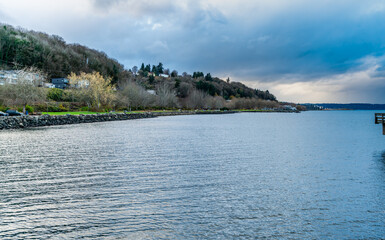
(31, 121)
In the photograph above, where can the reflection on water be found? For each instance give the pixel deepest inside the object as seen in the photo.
(309, 175)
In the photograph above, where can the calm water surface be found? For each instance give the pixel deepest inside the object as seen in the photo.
(314, 175)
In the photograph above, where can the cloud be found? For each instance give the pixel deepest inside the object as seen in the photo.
(132, 8)
(294, 44)
(352, 86)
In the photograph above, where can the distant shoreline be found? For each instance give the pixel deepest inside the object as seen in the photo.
(32, 121)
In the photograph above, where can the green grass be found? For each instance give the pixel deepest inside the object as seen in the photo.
(88, 112)
(252, 110)
(70, 113)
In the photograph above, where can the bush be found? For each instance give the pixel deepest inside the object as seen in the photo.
(55, 94)
(3, 108)
(177, 83)
(151, 79)
(84, 109)
(29, 109)
(63, 108)
(52, 107)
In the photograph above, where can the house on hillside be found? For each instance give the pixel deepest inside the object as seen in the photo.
(62, 83)
(81, 84)
(164, 75)
(17, 76)
(49, 85)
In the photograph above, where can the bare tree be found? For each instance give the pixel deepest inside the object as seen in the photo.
(25, 90)
(166, 97)
(134, 69)
(184, 89)
(196, 100)
(216, 102)
(134, 95)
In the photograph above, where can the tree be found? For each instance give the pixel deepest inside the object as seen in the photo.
(25, 90)
(55, 94)
(95, 87)
(133, 95)
(151, 79)
(177, 83)
(142, 67)
(198, 74)
(217, 102)
(196, 100)
(166, 97)
(174, 73)
(228, 80)
(134, 69)
(207, 87)
(52, 54)
(147, 68)
(184, 89)
(159, 68)
(166, 71)
(208, 77)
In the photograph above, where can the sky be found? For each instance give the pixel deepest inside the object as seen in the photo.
(303, 51)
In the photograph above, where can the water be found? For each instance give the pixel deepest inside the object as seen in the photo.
(314, 175)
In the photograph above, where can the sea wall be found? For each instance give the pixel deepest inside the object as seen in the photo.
(48, 120)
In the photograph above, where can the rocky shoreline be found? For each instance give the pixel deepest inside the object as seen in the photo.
(51, 120)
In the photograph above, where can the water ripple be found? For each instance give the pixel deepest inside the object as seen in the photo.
(242, 176)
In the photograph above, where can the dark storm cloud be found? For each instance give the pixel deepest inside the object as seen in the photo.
(276, 41)
(293, 43)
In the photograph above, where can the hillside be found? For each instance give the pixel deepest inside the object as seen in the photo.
(20, 48)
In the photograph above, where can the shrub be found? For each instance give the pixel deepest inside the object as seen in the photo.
(52, 108)
(55, 94)
(151, 79)
(3, 108)
(29, 109)
(84, 109)
(63, 108)
(177, 83)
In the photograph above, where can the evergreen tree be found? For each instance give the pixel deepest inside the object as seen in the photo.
(208, 77)
(160, 68)
(154, 70)
(174, 73)
(198, 74)
(151, 79)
